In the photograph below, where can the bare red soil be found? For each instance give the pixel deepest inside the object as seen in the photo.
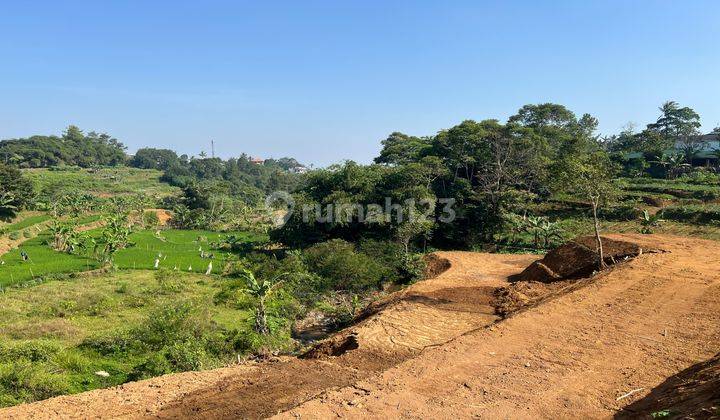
(633, 340)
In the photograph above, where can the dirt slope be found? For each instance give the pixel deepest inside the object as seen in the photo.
(571, 357)
(435, 350)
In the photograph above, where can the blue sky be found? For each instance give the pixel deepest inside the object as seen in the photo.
(326, 81)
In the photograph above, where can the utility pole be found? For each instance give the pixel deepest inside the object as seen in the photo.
(212, 147)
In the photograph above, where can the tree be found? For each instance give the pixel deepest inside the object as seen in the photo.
(676, 122)
(588, 176)
(399, 149)
(15, 191)
(544, 115)
(149, 158)
(679, 125)
(72, 148)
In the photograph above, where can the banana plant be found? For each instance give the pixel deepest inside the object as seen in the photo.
(65, 237)
(261, 290)
(550, 230)
(672, 163)
(649, 221)
(7, 200)
(114, 237)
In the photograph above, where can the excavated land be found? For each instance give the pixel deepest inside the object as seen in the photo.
(487, 337)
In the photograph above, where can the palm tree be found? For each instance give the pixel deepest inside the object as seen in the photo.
(261, 291)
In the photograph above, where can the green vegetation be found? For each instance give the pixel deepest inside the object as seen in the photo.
(175, 249)
(72, 148)
(15, 191)
(55, 336)
(697, 214)
(221, 279)
(100, 181)
(43, 262)
(24, 223)
(179, 249)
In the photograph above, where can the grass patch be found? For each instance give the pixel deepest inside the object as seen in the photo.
(55, 336)
(24, 223)
(675, 188)
(43, 262)
(696, 214)
(177, 250)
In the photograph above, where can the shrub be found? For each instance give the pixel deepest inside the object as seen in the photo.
(72, 360)
(25, 382)
(397, 267)
(26, 234)
(108, 345)
(169, 281)
(413, 268)
(342, 268)
(168, 324)
(623, 212)
(122, 288)
(701, 178)
(14, 236)
(154, 365)
(700, 214)
(186, 355)
(31, 351)
(150, 219)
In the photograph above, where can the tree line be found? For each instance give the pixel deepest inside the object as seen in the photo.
(491, 170)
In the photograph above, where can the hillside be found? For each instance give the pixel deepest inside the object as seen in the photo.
(437, 349)
(104, 181)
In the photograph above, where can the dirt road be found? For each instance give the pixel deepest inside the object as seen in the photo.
(436, 350)
(573, 356)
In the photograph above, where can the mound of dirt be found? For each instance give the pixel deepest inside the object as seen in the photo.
(163, 216)
(335, 346)
(435, 265)
(577, 259)
(559, 272)
(692, 393)
(523, 294)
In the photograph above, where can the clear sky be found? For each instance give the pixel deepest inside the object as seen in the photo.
(326, 81)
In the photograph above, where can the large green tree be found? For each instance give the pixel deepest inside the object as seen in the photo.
(400, 149)
(15, 191)
(678, 126)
